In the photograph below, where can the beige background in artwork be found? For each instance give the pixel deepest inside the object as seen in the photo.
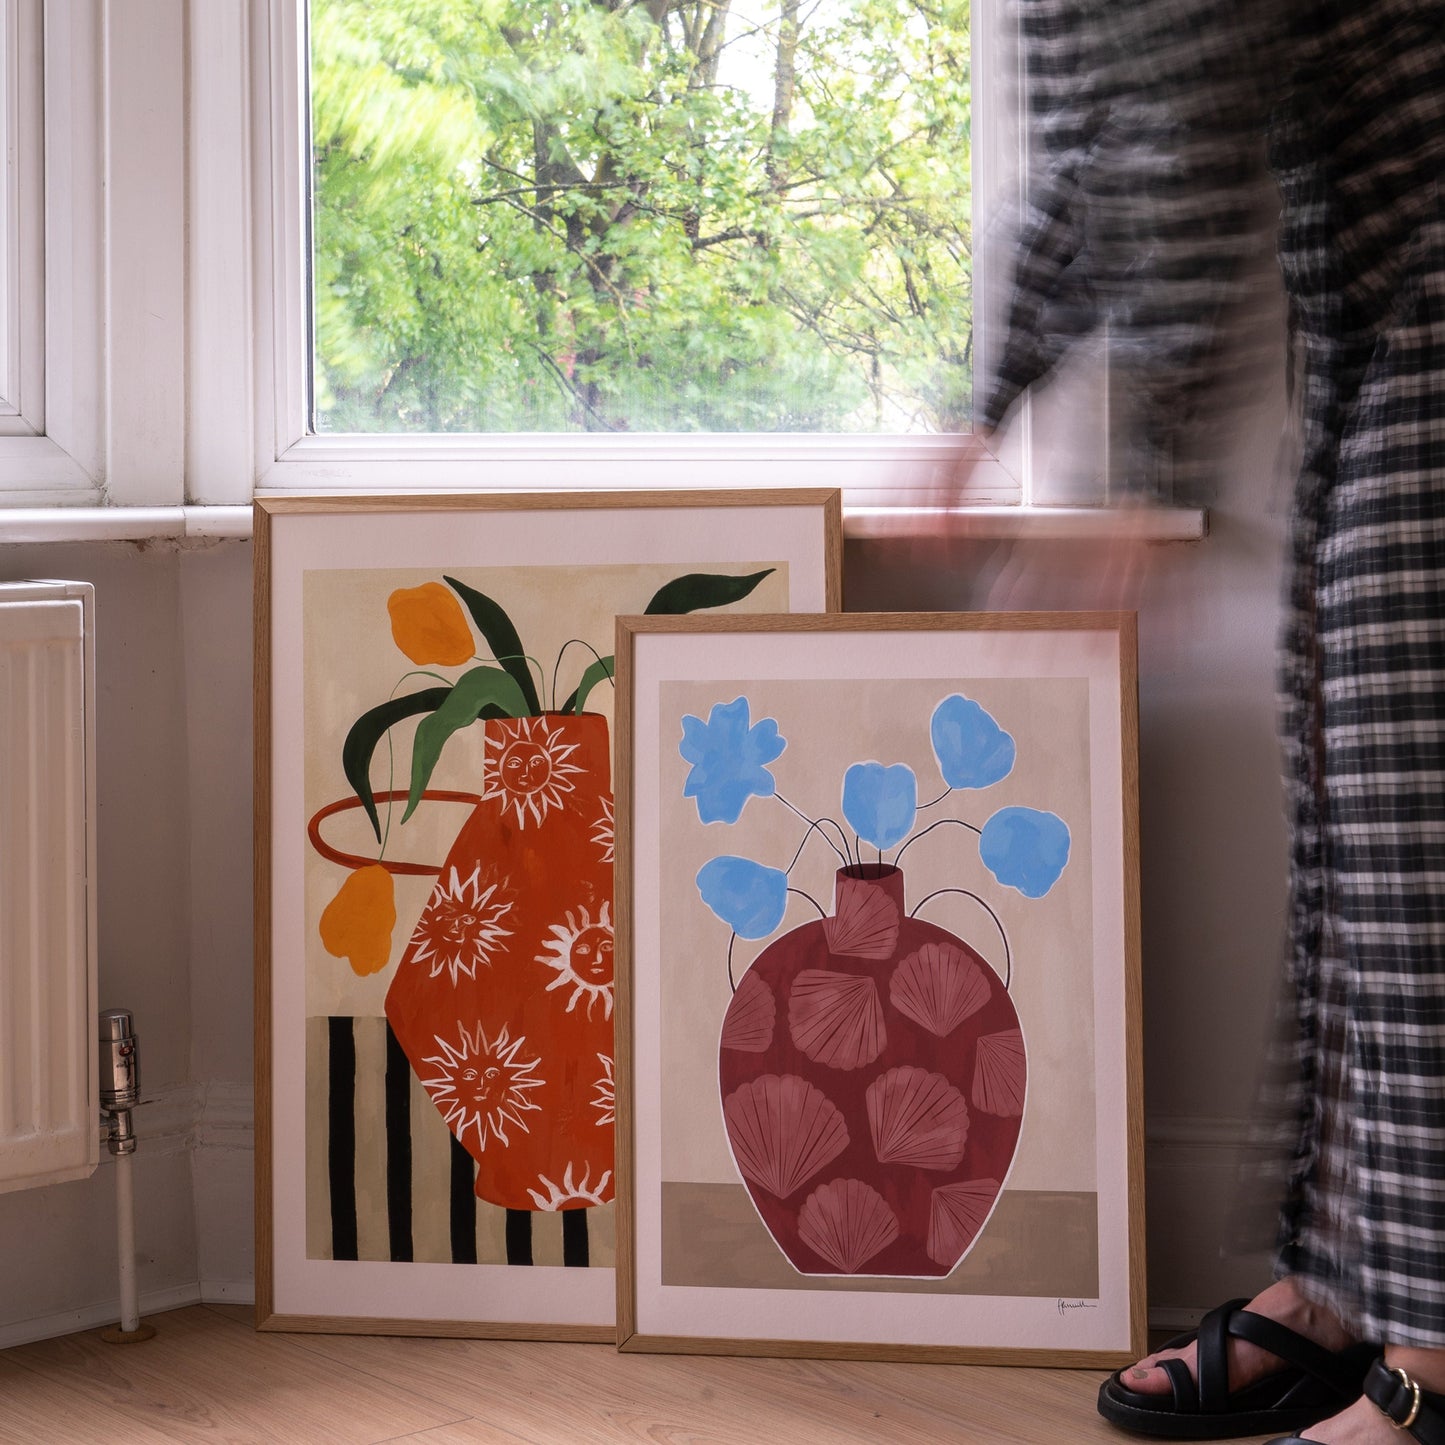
(351, 664)
(829, 725)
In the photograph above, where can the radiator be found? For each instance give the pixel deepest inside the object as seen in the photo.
(48, 1120)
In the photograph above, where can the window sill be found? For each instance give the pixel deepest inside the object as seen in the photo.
(982, 523)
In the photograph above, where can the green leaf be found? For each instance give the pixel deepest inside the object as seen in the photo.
(368, 730)
(496, 627)
(482, 687)
(696, 590)
(599, 671)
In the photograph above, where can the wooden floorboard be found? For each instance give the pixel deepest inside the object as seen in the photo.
(208, 1377)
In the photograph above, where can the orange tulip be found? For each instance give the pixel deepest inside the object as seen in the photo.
(429, 625)
(357, 923)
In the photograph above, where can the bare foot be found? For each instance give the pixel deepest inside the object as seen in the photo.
(1362, 1423)
(1281, 1302)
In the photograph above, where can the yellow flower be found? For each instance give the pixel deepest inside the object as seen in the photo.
(429, 625)
(357, 923)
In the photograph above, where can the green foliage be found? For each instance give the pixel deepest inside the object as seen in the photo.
(483, 689)
(681, 215)
(369, 729)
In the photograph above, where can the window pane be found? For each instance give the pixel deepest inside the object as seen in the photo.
(641, 215)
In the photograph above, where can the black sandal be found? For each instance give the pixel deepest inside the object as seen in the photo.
(1315, 1383)
(1417, 1413)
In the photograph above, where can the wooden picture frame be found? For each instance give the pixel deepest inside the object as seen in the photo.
(849, 1130)
(433, 880)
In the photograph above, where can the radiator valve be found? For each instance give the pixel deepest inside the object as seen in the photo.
(119, 1076)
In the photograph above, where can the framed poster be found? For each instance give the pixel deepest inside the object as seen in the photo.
(434, 1060)
(878, 945)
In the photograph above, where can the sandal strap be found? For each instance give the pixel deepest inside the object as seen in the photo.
(1211, 1358)
(1338, 1372)
(1420, 1414)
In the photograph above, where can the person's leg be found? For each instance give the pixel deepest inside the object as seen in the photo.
(1364, 1423)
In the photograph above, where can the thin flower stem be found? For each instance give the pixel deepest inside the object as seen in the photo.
(391, 750)
(811, 899)
(421, 672)
(732, 939)
(941, 823)
(526, 657)
(1008, 965)
(580, 642)
(934, 802)
(818, 823)
(814, 827)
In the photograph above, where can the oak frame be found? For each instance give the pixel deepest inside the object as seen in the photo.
(271, 512)
(634, 1333)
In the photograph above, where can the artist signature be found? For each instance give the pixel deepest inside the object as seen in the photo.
(1065, 1305)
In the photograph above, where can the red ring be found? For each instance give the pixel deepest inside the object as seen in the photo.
(351, 860)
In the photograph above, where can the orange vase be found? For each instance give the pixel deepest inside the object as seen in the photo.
(503, 999)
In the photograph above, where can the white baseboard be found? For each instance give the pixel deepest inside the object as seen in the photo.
(107, 1312)
(228, 1291)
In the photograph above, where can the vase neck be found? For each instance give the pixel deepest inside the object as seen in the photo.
(868, 878)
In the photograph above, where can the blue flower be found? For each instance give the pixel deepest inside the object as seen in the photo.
(880, 803)
(1025, 849)
(973, 751)
(749, 897)
(728, 757)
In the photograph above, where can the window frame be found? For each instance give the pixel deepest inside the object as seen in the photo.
(892, 471)
(51, 439)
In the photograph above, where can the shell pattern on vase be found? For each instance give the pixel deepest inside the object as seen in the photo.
(872, 1074)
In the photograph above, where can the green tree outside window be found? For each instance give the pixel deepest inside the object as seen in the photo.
(641, 215)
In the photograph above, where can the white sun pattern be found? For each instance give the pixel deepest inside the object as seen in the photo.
(604, 831)
(462, 926)
(571, 1193)
(528, 769)
(580, 953)
(481, 1085)
(604, 1098)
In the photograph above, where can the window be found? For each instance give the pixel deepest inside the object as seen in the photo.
(155, 265)
(882, 433)
(699, 216)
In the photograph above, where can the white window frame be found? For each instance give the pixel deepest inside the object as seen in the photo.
(874, 471)
(93, 131)
(162, 360)
(50, 437)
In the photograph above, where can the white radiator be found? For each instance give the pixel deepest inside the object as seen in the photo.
(48, 1103)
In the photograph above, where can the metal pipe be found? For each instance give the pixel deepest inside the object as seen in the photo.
(119, 1094)
(125, 1239)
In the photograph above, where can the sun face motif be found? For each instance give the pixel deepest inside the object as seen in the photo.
(462, 926)
(482, 1086)
(570, 1193)
(580, 951)
(528, 769)
(604, 1095)
(603, 831)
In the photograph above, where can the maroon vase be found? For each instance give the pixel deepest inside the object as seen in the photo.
(872, 1073)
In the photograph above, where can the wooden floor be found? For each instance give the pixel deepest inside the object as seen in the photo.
(208, 1377)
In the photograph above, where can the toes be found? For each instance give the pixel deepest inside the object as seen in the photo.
(1146, 1379)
